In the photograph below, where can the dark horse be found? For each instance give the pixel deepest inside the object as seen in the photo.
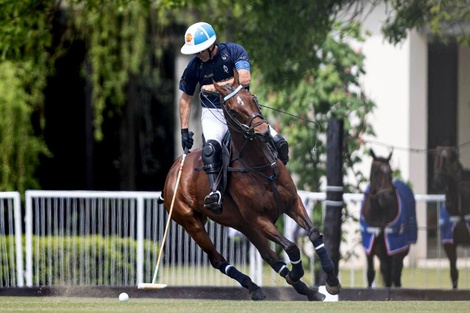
(388, 222)
(259, 190)
(451, 178)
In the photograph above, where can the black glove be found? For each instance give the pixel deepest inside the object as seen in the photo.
(186, 139)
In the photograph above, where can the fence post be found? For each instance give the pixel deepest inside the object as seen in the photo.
(334, 190)
(18, 239)
(140, 239)
(29, 239)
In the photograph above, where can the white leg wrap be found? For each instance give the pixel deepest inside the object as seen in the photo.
(280, 270)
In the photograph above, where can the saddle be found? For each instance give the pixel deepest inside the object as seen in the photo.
(222, 179)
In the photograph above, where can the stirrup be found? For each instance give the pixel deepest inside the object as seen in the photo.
(160, 199)
(213, 201)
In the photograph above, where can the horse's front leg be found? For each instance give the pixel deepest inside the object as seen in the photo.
(397, 267)
(260, 240)
(298, 213)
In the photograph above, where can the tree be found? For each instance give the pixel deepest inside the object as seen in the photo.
(123, 42)
(305, 67)
(24, 44)
(441, 18)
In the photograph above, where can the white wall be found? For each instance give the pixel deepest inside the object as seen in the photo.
(396, 80)
(463, 117)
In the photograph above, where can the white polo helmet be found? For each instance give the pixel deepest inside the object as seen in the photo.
(198, 37)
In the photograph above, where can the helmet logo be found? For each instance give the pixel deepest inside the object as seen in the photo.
(189, 37)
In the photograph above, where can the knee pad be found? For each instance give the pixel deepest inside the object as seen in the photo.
(211, 154)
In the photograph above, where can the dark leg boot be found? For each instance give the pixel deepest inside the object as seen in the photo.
(211, 154)
(282, 148)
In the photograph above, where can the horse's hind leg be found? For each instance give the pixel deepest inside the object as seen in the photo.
(194, 226)
(397, 268)
(451, 251)
(370, 270)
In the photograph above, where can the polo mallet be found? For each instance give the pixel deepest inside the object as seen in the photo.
(153, 284)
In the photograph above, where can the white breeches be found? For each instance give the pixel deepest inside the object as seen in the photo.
(213, 123)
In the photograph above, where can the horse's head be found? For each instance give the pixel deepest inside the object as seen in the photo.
(446, 166)
(242, 111)
(381, 179)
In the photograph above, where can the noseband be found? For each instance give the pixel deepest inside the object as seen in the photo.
(248, 130)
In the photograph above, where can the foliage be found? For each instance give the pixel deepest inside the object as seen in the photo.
(91, 260)
(24, 45)
(301, 66)
(332, 91)
(443, 19)
(282, 37)
(117, 36)
(35, 33)
(18, 143)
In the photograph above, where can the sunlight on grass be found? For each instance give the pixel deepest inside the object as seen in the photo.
(59, 305)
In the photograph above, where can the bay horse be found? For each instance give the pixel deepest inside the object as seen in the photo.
(454, 218)
(259, 190)
(388, 222)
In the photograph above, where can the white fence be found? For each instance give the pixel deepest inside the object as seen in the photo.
(11, 255)
(112, 239)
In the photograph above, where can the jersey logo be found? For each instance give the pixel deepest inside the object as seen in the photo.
(225, 68)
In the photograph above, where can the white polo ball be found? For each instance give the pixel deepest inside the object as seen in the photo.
(123, 297)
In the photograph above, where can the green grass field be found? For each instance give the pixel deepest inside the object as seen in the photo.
(59, 305)
(418, 278)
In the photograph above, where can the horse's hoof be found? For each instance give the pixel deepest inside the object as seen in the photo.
(257, 295)
(333, 288)
(315, 296)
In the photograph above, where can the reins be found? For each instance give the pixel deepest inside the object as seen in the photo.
(247, 129)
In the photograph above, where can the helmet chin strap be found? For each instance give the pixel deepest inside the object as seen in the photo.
(210, 51)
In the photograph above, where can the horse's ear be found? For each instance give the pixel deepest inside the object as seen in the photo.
(236, 78)
(372, 153)
(390, 156)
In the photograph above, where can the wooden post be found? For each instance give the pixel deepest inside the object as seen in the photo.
(334, 190)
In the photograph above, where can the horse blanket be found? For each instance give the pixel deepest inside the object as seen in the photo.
(447, 225)
(400, 232)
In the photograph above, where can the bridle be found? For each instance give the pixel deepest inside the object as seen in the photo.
(383, 179)
(248, 130)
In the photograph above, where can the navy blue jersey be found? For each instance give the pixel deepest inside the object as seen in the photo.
(229, 56)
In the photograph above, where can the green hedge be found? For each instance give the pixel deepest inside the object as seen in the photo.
(90, 260)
